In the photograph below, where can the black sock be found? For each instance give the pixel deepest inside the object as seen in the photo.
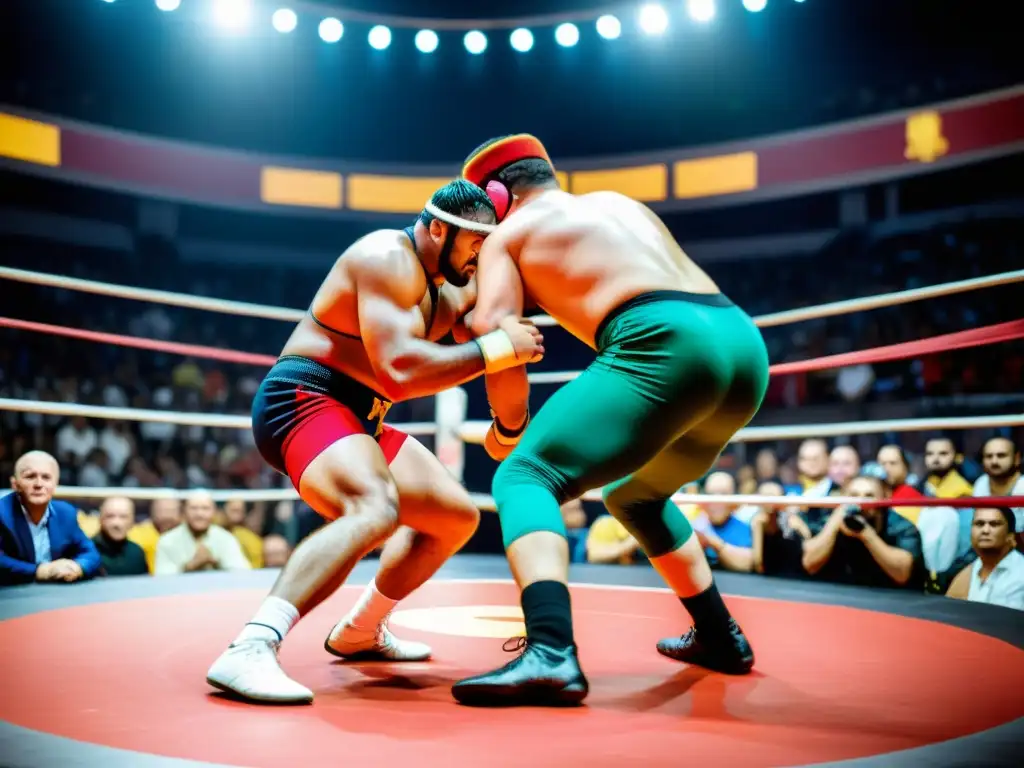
(708, 611)
(548, 613)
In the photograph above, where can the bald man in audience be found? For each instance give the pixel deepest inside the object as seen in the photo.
(164, 514)
(197, 544)
(39, 537)
(119, 556)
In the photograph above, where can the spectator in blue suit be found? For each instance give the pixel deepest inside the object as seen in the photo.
(39, 538)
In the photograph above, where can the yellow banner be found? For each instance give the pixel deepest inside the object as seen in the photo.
(299, 186)
(29, 140)
(391, 194)
(721, 175)
(646, 183)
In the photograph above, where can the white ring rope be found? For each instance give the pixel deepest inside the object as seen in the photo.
(474, 431)
(248, 495)
(482, 501)
(163, 417)
(224, 306)
(246, 309)
(458, 221)
(869, 302)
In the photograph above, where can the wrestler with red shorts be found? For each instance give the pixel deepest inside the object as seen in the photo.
(371, 337)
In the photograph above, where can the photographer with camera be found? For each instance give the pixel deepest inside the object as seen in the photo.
(871, 547)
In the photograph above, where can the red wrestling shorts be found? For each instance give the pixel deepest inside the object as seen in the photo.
(302, 407)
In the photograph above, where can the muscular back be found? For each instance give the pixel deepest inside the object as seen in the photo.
(337, 341)
(582, 256)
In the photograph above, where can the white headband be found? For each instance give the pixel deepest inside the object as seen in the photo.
(458, 221)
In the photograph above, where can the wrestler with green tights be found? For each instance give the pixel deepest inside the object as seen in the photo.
(679, 370)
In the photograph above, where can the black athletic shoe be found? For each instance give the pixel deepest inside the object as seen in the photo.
(541, 676)
(732, 655)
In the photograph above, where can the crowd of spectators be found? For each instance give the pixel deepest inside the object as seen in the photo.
(971, 553)
(798, 541)
(967, 552)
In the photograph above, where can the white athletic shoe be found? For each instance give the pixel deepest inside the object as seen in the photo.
(251, 670)
(356, 644)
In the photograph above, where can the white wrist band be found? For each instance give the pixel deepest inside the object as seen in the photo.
(498, 351)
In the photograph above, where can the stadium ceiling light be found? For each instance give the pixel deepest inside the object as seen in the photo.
(284, 20)
(426, 41)
(232, 14)
(168, 5)
(701, 10)
(521, 40)
(331, 30)
(653, 19)
(567, 35)
(475, 41)
(609, 27)
(755, 6)
(379, 37)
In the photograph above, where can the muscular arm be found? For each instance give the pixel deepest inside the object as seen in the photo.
(500, 295)
(406, 365)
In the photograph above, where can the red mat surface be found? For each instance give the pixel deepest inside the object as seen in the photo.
(830, 683)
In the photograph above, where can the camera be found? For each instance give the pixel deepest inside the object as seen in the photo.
(853, 520)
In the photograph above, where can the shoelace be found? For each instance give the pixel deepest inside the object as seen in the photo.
(254, 650)
(518, 643)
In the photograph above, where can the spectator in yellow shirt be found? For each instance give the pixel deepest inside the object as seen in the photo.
(164, 514)
(609, 542)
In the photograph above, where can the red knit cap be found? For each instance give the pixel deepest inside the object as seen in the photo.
(482, 167)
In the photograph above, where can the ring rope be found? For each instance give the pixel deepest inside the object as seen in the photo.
(247, 309)
(486, 503)
(976, 337)
(169, 298)
(474, 431)
(186, 419)
(991, 334)
(138, 342)
(847, 306)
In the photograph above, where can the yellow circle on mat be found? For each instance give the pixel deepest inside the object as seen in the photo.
(465, 620)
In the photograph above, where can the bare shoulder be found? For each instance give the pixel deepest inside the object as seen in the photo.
(385, 262)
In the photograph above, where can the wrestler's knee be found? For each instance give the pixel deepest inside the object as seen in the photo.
(455, 518)
(521, 468)
(377, 506)
(657, 524)
(528, 492)
(363, 489)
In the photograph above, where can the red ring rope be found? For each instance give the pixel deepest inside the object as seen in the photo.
(990, 334)
(155, 345)
(961, 502)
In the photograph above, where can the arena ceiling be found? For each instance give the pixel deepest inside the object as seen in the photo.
(742, 74)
